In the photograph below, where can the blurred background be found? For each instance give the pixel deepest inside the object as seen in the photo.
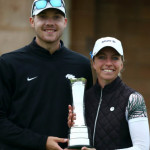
(129, 21)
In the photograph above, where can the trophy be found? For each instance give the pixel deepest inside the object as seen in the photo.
(78, 136)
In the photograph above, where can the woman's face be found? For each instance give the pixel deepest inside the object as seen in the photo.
(107, 64)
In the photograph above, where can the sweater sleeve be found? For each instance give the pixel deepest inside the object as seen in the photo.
(10, 133)
(136, 115)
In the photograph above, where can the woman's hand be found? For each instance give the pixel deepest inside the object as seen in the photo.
(71, 116)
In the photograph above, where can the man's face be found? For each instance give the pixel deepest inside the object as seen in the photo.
(49, 26)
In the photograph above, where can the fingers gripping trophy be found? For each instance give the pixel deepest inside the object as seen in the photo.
(78, 136)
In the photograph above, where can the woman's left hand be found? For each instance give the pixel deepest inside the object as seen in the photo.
(71, 116)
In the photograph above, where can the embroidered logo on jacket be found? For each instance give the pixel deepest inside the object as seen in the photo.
(30, 79)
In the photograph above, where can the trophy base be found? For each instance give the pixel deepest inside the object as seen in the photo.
(78, 146)
(79, 137)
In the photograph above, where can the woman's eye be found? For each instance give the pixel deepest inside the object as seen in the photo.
(115, 58)
(101, 57)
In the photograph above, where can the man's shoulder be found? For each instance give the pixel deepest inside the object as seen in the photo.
(14, 53)
(76, 55)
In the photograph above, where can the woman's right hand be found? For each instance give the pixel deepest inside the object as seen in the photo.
(71, 116)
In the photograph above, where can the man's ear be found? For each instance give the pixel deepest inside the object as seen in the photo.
(65, 22)
(31, 19)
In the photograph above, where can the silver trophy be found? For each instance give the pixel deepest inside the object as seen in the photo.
(78, 136)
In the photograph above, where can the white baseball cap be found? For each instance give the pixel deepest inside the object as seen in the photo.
(107, 42)
(40, 5)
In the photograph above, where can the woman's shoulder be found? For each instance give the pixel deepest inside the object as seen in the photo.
(136, 106)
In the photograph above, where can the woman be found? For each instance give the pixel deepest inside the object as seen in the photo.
(115, 113)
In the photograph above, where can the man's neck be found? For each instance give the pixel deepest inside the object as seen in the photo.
(51, 47)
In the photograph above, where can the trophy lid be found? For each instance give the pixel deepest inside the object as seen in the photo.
(73, 79)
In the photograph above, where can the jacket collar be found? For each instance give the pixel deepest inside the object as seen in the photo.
(114, 85)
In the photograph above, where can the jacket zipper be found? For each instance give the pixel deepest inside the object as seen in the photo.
(100, 101)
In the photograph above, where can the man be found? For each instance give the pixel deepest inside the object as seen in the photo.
(34, 90)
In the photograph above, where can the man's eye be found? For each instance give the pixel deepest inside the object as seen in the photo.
(42, 16)
(56, 17)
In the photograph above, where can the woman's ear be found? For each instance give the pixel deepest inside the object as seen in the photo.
(93, 64)
(122, 66)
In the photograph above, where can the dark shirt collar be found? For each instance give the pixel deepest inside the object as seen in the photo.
(40, 50)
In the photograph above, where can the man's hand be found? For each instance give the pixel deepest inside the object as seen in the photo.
(85, 148)
(52, 143)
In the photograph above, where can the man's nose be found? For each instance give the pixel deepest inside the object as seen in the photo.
(49, 21)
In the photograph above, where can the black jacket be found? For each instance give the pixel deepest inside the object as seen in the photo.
(34, 95)
(112, 130)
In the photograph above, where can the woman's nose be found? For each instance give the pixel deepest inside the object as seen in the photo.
(108, 61)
